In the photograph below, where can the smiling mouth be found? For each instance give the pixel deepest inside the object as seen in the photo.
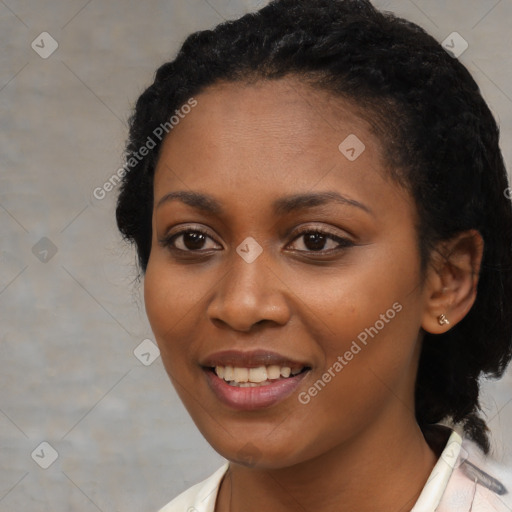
(243, 377)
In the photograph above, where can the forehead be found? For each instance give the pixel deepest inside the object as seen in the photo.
(285, 117)
(280, 112)
(268, 138)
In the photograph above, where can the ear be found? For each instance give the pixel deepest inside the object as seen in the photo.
(452, 279)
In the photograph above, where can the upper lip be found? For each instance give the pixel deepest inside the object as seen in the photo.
(250, 359)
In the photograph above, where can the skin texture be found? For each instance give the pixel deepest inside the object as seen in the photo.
(356, 442)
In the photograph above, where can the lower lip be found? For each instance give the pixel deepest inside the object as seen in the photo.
(246, 399)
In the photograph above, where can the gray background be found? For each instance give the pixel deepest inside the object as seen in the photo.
(70, 321)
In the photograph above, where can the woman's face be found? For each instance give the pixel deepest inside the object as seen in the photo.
(259, 295)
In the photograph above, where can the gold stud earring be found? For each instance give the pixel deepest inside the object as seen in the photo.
(443, 320)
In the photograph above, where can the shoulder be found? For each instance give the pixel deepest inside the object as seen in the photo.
(200, 497)
(477, 483)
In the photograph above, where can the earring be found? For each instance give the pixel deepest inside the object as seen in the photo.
(443, 320)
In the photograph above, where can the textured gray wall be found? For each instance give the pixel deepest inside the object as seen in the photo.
(70, 318)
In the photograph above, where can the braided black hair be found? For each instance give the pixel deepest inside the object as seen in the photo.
(441, 142)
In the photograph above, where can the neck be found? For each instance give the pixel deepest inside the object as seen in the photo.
(383, 467)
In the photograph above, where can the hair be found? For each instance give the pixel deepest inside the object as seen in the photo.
(440, 139)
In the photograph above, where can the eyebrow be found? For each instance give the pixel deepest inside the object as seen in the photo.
(281, 206)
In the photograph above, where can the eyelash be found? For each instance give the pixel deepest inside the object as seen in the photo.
(344, 243)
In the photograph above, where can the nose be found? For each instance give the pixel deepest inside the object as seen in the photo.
(249, 294)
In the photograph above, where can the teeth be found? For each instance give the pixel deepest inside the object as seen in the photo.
(241, 374)
(251, 377)
(258, 374)
(229, 374)
(273, 372)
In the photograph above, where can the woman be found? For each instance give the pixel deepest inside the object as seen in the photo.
(322, 224)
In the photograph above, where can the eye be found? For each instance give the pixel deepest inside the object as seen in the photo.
(315, 240)
(187, 240)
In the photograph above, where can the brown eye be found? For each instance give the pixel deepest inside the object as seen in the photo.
(193, 240)
(187, 240)
(315, 240)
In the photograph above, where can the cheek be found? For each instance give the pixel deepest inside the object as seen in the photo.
(367, 314)
(175, 298)
(167, 301)
(342, 302)
(158, 298)
(171, 291)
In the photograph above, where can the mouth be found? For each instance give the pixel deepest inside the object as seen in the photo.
(243, 377)
(253, 380)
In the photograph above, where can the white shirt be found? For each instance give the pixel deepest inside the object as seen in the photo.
(459, 482)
